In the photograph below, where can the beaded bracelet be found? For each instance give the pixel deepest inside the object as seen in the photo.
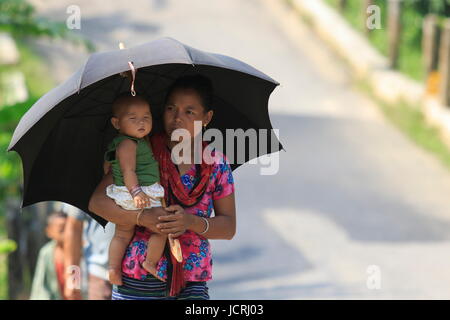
(135, 193)
(135, 190)
(207, 225)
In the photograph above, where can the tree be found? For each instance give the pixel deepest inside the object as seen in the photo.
(18, 18)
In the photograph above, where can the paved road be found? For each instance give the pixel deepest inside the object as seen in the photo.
(356, 209)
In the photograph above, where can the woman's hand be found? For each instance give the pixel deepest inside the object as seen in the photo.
(176, 223)
(149, 218)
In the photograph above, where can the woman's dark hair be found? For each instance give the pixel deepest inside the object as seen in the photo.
(201, 84)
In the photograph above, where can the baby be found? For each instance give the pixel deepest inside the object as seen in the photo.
(136, 179)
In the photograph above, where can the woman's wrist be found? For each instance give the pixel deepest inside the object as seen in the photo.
(148, 218)
(206, 226)
(199, 225)
(138, 215)
(127, 219)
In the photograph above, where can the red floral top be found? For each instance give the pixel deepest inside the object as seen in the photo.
(197, 259)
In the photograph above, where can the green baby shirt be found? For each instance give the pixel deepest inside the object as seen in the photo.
(147, 169)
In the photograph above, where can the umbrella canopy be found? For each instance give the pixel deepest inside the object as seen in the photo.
(62, 138)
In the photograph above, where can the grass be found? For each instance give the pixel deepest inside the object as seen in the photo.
(410, 54)
(412, 122)
(38, 82)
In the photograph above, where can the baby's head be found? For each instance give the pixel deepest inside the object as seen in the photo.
(56, 223)
(132, 116)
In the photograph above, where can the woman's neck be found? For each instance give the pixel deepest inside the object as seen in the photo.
(170, 144)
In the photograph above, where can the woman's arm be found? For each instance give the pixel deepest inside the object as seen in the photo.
(105, 207)
(106, 166)
(222, 226)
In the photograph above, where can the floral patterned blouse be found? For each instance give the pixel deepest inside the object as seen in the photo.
(197, 259)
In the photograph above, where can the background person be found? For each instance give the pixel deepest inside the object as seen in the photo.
(48, 279)
(85, 237)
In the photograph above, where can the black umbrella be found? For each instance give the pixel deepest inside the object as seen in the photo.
(63, 136)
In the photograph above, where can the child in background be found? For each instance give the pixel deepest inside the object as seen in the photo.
(48, 280)
(136, 179)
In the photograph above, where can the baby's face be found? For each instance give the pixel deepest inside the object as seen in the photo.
(136, 120)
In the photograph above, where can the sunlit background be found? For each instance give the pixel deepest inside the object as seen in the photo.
(360, 206)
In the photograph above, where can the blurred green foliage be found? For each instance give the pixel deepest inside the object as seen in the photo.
(38, 82)
(7, 246)
(10, 165)
(19, 18)
(413, 13)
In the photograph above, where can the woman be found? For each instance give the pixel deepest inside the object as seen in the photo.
(194, 189)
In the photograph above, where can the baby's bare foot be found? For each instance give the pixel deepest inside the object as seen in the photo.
(115, 276)
(151, 268)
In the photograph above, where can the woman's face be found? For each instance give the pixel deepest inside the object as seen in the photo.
(183, 107)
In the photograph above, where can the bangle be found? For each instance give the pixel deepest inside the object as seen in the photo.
(135, 191)
(137, 217)
(207, 225)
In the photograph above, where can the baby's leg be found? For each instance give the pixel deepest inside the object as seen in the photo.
(155, 251)
(117, 247)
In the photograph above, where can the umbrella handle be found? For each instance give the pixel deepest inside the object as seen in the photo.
(133, 71)
(133, 76)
